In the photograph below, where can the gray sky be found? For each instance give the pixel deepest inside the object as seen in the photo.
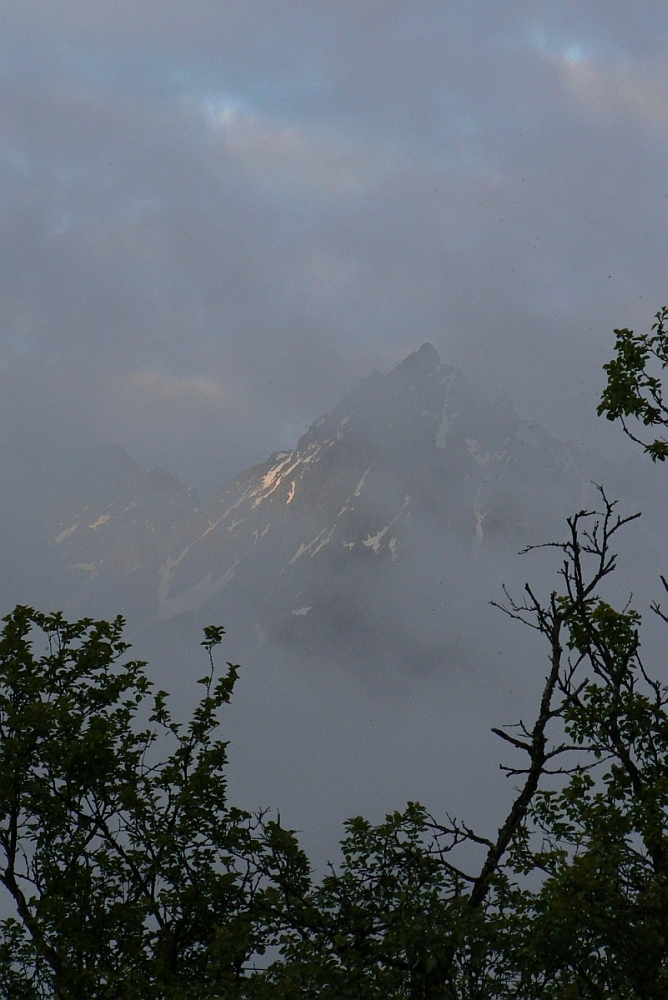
(218, 216)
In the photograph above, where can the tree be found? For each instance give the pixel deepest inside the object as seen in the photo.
(634, 388)
(598, 923)
(129, 873)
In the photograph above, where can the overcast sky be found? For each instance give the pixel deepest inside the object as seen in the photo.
(217, 216)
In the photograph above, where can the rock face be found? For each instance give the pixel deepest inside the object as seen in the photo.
(375, 533)
(407, 489)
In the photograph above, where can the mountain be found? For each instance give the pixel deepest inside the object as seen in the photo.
(109, 544)
(55, 554)
(377, 536)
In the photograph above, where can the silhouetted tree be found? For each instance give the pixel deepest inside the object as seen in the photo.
(129, 873)
(635, 387)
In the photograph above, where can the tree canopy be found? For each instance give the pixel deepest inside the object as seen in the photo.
(129, 873)
(635, 386)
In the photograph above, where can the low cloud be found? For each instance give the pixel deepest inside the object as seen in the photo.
(190, 393)
(291, 159)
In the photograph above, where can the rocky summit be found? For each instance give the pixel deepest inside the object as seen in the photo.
(376, 529)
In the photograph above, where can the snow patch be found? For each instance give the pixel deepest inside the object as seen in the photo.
(479, 518)
(307, 548)
(291, 494)
(303, 611)
(392, 546)
(323, 543)
(100, 521)
(268, 479)
(273, 479)
(214, 524)
(447, 421)
(374, 542)
(474, 449)
(65, 534)
(360, 485)
(299, 553)
(260, 534)
(349, 545)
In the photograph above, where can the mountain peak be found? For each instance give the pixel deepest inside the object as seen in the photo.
(425, 359)
(344, 542)
(429, 353)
